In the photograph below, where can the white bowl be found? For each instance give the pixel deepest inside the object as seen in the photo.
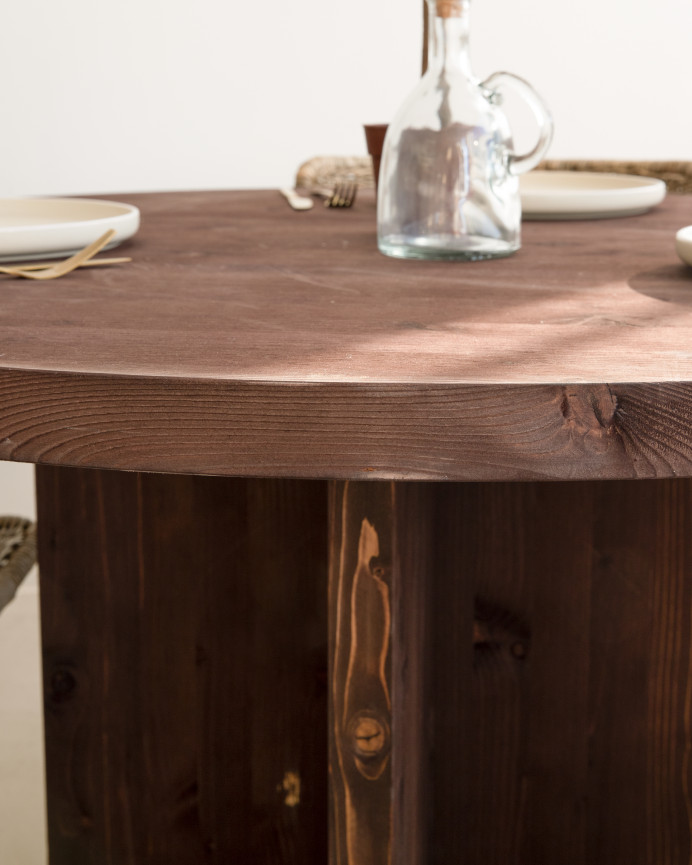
(683, 244)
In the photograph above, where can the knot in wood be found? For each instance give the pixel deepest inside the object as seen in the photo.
(291, 787)
(369, 737)
(378, 568)
(62, 684)
(498, 631)
(589, 414)
(519, 650)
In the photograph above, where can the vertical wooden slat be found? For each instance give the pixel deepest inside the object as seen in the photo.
(119, 669)
(555, 763)
(624, 581)
(287, 679)
(669, 802)
(223, 653)
(360, 667)
(184, 629)
(494, 549)
(413, 636)
(639, 799)
(432, 650)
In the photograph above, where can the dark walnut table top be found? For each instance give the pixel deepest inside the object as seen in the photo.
(246, 339)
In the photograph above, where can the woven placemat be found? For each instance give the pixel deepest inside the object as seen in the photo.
(677, 175)
(323, 171)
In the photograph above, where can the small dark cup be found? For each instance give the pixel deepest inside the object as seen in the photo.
(374, 136)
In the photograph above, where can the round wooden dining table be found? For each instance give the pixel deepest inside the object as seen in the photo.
(352, 559)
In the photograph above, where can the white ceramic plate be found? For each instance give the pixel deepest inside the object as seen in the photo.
(587, 194)
(54, 227)
(683, 244)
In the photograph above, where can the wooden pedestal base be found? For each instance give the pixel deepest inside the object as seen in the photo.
(507, 681)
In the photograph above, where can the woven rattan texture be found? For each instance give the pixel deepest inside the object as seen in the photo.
(325, 170)
(321, 171)
(17, 554)
(677, 175)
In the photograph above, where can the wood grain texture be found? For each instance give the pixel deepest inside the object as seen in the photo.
(244, 335)
(361, 431)
(533, 707)
(236, 286)
(360, 673)
(541, 667)
(432, 651)
(184, 645)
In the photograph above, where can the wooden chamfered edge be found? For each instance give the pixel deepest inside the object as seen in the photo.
(465, 432)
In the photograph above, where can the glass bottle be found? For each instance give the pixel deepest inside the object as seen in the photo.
(448, 185)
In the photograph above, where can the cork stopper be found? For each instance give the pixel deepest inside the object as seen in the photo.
(448, 8)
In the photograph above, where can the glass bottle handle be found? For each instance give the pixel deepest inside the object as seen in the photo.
(521, 164)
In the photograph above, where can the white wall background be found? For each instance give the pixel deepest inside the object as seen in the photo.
(132, 95)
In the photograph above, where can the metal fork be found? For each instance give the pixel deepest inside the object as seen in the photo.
(343, 194)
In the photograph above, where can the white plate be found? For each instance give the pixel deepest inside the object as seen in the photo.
(683, 244)
(47, 227)
(587, 194)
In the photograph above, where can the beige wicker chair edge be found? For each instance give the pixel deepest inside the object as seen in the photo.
(17, 554)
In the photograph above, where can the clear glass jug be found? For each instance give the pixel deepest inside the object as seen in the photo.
(448, 185)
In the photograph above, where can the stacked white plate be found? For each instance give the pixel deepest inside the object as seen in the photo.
(587, 194)
(33, 228)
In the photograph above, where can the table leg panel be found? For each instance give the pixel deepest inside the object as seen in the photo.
(184, 631)
(494, 622)
(432, 648)
(640, 739)
(540, 670)
(533, 705)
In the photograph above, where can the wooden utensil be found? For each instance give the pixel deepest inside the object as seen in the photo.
(44, 265)
(61, 268)
(297, 202)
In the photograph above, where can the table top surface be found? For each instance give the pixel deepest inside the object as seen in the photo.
(316, 356)
(235, 285)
